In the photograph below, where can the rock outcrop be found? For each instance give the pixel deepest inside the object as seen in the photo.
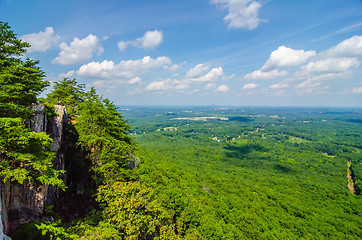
(26, 202)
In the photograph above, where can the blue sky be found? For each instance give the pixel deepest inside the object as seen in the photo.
(223, 52)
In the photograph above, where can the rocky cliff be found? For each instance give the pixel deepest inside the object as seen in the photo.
(21, 203)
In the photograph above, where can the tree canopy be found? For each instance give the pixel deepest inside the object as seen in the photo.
(24, 155)
(20, 81)
(68, 92)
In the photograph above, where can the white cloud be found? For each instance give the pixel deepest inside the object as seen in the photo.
(213, 75)
(351, 47)
(308, 84)
(278, 85)
(106, 84)
(42, 41)
(341, 62)
(161, 85)
(201, 73)
(330, 65)
(210, 86)
(182, 86)
(176, 66)
(324, 76)
(242, 13)
(310, 87)
(149, 40)
(258, 74)
(134, 81)
(79, 50)
(250, 86)
(122, 45)
(287, 57)
(198, 71)
(125, 68)
(67, 75)
(225, 78)
(222, 88)
(357, 90)
(96, 69)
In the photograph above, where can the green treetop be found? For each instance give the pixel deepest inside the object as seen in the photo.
(105, 134)
(24, 155)
(68, 92)
(20, 81)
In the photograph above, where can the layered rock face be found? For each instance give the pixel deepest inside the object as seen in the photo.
(26, 202)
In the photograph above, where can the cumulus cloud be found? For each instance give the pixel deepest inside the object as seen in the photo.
(122, 45)
(67, 75)
(357, 90)
(176, 66)
(287, 57)
(338, 62)
(241, 13)
(198, 71)
(351, 47)
(134, 81)
(258, 74)
(149, 40)
(161, 85)
(213, 75)
(314, 73)
(97, 69)
(41, 41)
(341, 62)
(79, 50)
(200, 74)
(249, 86)
(330, 65)
(125, 68)
(222, 88)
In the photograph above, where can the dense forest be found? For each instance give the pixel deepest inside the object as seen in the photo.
(254, 173)
(182, 172)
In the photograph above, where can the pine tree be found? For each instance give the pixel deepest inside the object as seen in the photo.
(20, 81)
(24, 155)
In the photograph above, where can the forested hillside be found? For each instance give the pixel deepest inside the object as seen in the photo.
(258, 173)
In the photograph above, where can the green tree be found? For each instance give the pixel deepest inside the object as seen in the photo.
(20, 81)
(105, 135)
(24, 155)
(131, 208)
(68, 92)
